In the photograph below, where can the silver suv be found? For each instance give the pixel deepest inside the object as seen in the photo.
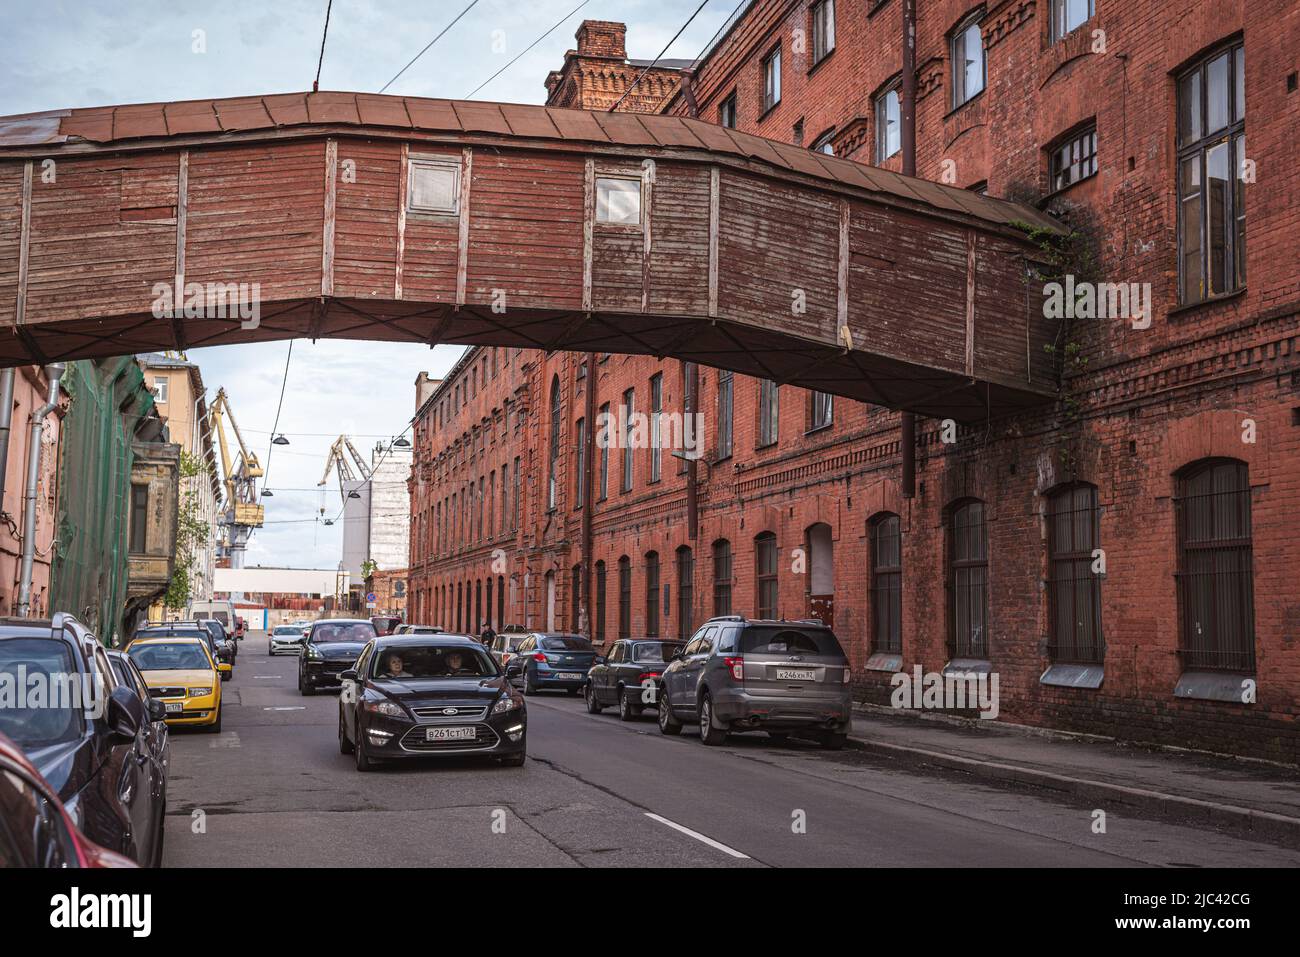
(775, 676)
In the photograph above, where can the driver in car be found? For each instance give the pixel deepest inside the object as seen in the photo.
(396, 668)
(456, 665)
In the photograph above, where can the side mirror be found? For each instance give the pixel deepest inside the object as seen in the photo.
(224, 667)
(349, 675)
(125, 714)
(600, 660)
(157, 710)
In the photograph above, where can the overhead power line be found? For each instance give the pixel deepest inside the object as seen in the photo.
(642, 74)
(429, 44)
(527, 48)
(270, 446)
(324, 33)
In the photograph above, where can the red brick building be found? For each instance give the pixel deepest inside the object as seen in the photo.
(1121, 559)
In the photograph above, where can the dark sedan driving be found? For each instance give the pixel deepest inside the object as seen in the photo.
(423, 696)
(330, 649)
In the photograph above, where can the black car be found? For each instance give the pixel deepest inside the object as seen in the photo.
(227, 644)
(157, 734)
(93, 747)
(629, 675)
(547, 660)
(428, 695)
(330, 649)
(220, 648)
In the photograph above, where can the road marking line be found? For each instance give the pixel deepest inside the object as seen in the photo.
(266, 676)
(285, 709)
(698, 836)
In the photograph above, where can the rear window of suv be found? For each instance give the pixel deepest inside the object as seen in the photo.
(780, 640)
(566, 643)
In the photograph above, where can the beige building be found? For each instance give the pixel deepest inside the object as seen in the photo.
(181, 400)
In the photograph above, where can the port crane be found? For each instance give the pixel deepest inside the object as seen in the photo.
(337, 462)
(243, 512)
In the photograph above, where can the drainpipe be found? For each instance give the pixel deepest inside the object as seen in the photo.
(6, 423)
(54, 371)
(588, 494)
(693, 464)
(907, 115)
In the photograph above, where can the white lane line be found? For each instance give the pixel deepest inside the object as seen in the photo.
(266, 676)
(285, 709)
(698, 836)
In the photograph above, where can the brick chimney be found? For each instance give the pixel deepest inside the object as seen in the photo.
(602, 38)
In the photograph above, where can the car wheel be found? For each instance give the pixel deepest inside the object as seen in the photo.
(627, 711)
(529, 689)
(667, 723)
(515, 760)
(593, 705)
(270, 652)
(363, 761)
(834, 740)
(345, 746)
(215, 726)
(304, 689)
(226, 675)
(708, 733)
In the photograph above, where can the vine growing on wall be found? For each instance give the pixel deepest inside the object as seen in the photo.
(191, 533)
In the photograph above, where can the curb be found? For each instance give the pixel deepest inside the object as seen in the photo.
(1265, 825)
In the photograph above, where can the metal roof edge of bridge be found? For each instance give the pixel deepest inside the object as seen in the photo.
(110, 126)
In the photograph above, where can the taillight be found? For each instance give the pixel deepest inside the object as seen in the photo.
(737, 667)
(646, 676)
(505, 657)
(539, 657)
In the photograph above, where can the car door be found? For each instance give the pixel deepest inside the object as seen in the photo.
(156, 735)
(521, 658)
(609, 672)
(673, 673)
(693, 666)
(133, 765)
(350, 696)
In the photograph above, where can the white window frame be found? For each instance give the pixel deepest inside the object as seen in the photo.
(772, 79)
(604, 178)
(440, 164)
(880, 115)
(957, 48)
(160, 387)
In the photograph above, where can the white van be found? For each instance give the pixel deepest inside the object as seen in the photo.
(222, 611)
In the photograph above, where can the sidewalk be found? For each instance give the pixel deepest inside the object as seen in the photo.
(1260, 799)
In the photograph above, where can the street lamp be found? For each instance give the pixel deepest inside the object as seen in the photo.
(401, 443)
(267, 493)
(280, 440)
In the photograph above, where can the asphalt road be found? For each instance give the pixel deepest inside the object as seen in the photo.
(273, 790)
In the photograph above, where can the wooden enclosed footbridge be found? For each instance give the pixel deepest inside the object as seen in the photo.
(133, 228)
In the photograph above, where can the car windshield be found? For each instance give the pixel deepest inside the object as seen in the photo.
(566, 643)
(656, 651)
(360, 631)
(44, 665)
(288, 630)
(169, 656)
(777, 640)
(433, 661)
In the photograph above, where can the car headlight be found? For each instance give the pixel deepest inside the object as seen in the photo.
(314, 652)
(390, 708)
(506, 703)
(200, 692)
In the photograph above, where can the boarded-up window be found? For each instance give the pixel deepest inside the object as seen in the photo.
(434, 187)
(618, 201)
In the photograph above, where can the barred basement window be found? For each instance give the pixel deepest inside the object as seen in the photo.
(1215, 577)
(886, 585)
(766, 577)
(652, 594)
(722, 577)
(1075, 159)
(685, 591)
(599, 622)
(1211, 167)
(968, 580)
(1073, 588)
(625, 597)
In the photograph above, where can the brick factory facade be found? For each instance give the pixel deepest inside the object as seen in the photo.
(1122, 559)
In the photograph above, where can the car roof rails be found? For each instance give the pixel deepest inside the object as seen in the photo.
(728, 618)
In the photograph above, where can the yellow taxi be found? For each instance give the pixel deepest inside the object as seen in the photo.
(181, 673)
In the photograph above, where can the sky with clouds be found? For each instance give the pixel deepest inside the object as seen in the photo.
(58, 54)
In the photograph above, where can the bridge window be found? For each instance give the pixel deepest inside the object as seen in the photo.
(1211, 167)
(888, 125)
(967, 62)
(433, 187)
(618, 201)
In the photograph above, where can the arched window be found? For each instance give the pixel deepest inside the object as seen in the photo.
(968, 570)
(765, 574)
(722, 577)
(552, 484)
(1215, 575)
(575, 612)
(967, 61)
(652, 594)
(598, 622)
(886, 585)
(1073, 588)
(685, 592)
(625, 597)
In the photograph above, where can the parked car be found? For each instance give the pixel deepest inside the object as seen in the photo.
(226, 646)
(158, 737)
(221, 609)
(506, 645)
(545, 660)
(385, 624)
(286, 638)
(418, 630)
(241, 627)
(776, 676)
(36, 830)
(206, 630)
(182, 674)
(628, 676)
(87, 741)
(421, 696)
(331, 647)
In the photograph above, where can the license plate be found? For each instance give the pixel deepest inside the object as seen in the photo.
(569, 676)
(174, 707)
(795, 674)
(449, 734)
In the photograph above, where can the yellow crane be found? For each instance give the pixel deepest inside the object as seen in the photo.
(337, 461)
(243, 512)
